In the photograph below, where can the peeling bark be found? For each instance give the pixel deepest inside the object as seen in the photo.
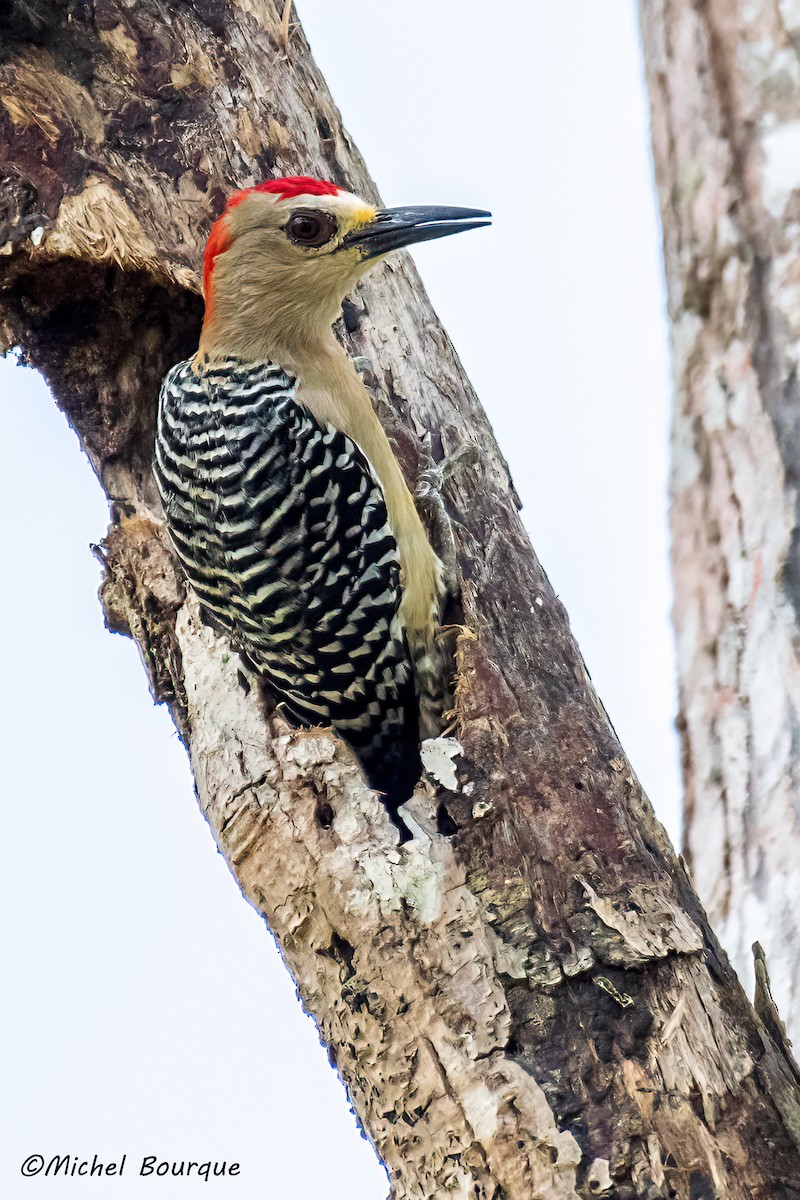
(533, 1005)
(725, 92)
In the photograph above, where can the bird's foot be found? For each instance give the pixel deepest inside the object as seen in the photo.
(365, 369)
(431, 483)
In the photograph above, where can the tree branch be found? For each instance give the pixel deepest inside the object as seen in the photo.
(725, 94)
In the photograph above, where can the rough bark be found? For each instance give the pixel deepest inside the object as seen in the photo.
(532, 1005)
(725, 91)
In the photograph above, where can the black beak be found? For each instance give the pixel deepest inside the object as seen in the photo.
(393, 228)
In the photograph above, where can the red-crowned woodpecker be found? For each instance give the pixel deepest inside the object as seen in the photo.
(283, 498)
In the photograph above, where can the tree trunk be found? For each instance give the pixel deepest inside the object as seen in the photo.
(725, 91)
(533, 1005)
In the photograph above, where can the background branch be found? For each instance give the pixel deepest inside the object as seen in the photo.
(725, 93)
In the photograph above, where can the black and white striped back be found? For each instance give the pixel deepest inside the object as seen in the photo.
(282, 530)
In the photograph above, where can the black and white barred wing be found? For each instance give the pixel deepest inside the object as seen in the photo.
(283, 532)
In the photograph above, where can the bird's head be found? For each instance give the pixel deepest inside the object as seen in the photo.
(284, 254)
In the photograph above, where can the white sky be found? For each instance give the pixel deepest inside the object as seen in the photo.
(145, 1009)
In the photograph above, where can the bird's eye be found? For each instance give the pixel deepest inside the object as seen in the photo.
(310, 228)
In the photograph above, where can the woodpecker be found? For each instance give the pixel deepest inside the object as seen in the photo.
(283, 498)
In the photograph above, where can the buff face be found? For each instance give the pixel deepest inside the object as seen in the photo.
(288, 253)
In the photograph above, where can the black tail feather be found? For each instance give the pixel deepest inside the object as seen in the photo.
(389, 756)
(392, 767)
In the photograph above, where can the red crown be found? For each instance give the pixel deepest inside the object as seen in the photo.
(292, 185)
(297, 185)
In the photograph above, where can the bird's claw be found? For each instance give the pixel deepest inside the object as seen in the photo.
(431, 483)
(366, 370)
